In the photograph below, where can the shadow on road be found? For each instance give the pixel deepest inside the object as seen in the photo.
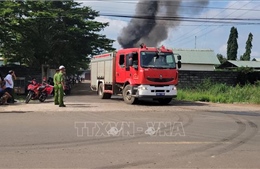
(173, 103)
(16, 112)
(150, 102)
(80, 105)
(188, 103)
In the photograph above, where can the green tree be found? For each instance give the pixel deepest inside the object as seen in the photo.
(232, 45)
(51, 32)
(247, 54)
(9, 14)
(221, 58)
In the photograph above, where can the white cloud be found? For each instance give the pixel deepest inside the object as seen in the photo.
(114, 28)
(114, 25)
(223, 49)
(255, 54)
(115, 7)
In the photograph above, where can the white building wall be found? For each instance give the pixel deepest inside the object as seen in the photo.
(198, 67)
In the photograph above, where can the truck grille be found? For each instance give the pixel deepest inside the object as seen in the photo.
(160, 80)
(160, 91)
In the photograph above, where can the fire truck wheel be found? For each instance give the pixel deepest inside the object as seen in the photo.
(127, 95)
(101, 93)
(165, 101)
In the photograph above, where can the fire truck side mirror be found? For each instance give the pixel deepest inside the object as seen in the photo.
(179, 64)
(179, 57)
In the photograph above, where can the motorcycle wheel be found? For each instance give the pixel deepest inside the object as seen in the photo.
(43, 97)
(67, 92)
(28, 97)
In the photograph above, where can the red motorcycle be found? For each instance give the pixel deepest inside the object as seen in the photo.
(38, 91)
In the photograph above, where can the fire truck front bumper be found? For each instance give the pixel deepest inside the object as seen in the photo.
(148, 91)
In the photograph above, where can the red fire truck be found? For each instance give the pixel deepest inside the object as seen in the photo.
(134, 73)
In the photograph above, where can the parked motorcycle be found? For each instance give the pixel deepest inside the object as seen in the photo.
(38, 91)
(68, 87)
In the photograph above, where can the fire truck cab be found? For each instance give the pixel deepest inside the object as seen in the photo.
(134, 73)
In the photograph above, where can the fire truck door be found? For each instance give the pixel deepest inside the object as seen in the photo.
(132, 72)
(120, 68)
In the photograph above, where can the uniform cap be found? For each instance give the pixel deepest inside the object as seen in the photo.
(61, 67)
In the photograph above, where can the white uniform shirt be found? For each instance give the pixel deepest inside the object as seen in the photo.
(10, 80)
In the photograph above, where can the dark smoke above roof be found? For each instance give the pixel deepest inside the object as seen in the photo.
(149, 30)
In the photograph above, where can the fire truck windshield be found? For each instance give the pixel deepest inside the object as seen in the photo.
(158, 60)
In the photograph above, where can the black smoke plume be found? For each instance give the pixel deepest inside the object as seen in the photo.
(147, 26)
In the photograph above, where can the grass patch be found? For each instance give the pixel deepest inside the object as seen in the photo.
(221, 93)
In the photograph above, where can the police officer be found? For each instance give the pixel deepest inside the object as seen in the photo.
(56, 89)
(61, 85)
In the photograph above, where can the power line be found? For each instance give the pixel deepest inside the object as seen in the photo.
(217, 26)
(115, 9)
(198, 37)
(179, 18)
(115, 13)
(189, 34)
(180, 6)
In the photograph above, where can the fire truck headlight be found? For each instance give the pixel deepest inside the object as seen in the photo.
(142, 88)
(174, 88)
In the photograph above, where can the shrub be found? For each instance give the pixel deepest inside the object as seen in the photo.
(221, 93)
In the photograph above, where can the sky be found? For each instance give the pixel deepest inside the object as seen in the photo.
(191, 35)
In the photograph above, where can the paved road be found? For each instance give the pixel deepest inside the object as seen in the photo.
(94, 133)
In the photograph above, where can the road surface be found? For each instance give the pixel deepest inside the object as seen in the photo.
(94, 133)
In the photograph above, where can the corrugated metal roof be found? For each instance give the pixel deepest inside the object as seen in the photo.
(197, 56)
(253, 64)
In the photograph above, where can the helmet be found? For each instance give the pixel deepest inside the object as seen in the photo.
(61, 67)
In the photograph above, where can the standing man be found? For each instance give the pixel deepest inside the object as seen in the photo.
(10, 84)
(56, 88)
(61, 85)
